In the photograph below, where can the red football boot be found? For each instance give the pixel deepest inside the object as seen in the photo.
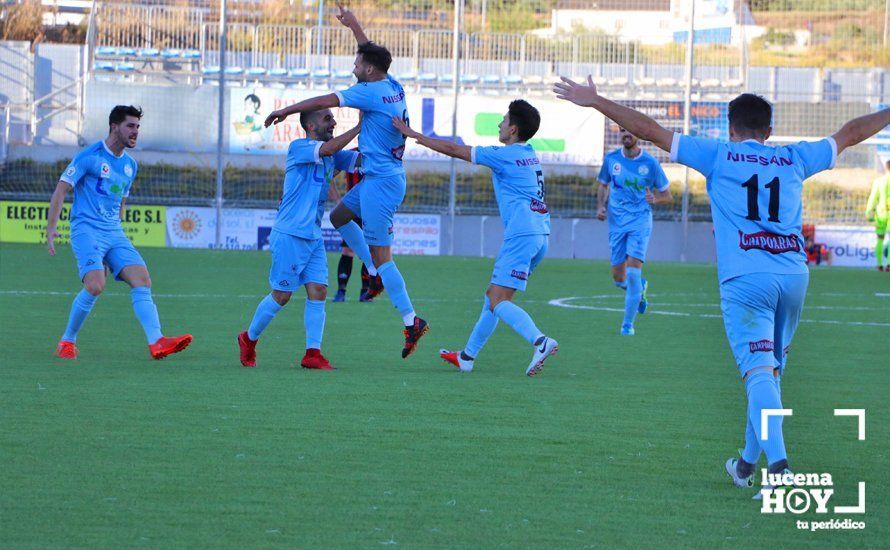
(375, 288)
(455, 359)
(66, 350)
(169, 345)
(248, 350)
(413, 334)
(315, 360)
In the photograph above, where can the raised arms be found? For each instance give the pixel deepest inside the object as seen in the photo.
(860, 129)
(312, 104)
(635, 122)
(443, 146)
(348, 19)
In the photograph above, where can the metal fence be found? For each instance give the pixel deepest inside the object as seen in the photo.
(171, 55)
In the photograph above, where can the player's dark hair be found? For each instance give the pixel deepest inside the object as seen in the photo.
(307, 117)
(253, 98)
(750, 113)
(526, 118)
(121, 112)
(376, 56)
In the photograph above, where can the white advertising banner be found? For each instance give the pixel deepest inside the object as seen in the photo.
(242, 228)
(477, 124)
(851, 246)
(249, 229)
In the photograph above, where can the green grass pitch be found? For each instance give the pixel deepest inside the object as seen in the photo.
(619, 442)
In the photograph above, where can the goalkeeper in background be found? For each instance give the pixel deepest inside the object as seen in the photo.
(878, 211)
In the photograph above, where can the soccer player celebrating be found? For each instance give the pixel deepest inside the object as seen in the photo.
(878, 211)
(298, 253)
(344, 266)
(379, 97)
(755, 193)
(628, 177)
(519, 189)
(101, 176)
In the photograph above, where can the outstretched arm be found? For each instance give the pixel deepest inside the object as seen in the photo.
(635, 122)
(443, 146)
(860, 129)
(348, 19)
(312, 104)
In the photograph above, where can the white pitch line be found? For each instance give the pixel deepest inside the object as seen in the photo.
(564, 302)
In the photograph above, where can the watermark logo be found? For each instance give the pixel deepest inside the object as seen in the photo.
(799, 493)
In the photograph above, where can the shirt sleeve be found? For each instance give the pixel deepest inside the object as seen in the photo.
(306, 152)
(345, 160)
(695, 152)
(816, 156)
(487, 156)
(605, 175)
(660, 181)
(78, 168)
(357, 96)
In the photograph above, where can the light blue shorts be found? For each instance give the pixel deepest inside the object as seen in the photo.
(375, 200)
(761, 311)
(518, 258)
(296, 262)
(632, 241)
(93, 250)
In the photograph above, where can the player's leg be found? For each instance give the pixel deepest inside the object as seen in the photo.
(379, 203)
(344, 271)
(881, 244)
(618, 254)
(88, 251)
(518, 257)
(634, 295)
(283, 278)
(315, 276)
(127, 265)
(343, 219)
(637, 245)
(749, 305)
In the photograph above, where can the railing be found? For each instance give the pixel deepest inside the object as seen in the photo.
(38, 104)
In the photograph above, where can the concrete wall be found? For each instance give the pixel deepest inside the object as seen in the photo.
(581, 238)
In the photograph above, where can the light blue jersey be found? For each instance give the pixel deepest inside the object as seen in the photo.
(306, 179)
(382, 146)
(518, 181)
(100, 180)
(628, 180)
(755, 193)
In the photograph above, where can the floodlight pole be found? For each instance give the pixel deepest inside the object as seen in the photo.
(455, 58)
(220, 121)
(318, 39)
(687, 115)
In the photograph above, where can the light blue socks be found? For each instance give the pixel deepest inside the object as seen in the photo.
(763, 393)
(265, 312)
(398, 294)
(519, 320)
(483, 330)
(355, 238)
(634, 292)
(146, 312)
(80, 309)
(313, 320)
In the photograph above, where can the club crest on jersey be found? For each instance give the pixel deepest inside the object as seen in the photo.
(105, 171)
(770, 242)
(538, 206)
(760, 345)
(128, 170)
(644, 170)
(616, 169)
